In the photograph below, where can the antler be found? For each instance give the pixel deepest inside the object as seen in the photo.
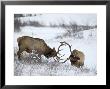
(57, 57)
(59, 47)
(70, 49)
(65, 60)
(63, 43)
(66, 44)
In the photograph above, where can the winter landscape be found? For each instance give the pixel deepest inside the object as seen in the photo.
(78, 30)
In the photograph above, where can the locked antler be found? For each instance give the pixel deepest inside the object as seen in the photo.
(63, 43)
(57, 57)
(69, 47)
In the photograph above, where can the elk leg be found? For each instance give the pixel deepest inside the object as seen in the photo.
(19, 52)
(39, 58)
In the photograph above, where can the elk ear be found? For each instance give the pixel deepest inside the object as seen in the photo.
(53, 48)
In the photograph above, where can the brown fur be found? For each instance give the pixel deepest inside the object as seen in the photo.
(77, 58)
(28, 44)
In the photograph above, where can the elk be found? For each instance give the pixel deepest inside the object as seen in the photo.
(28, 44)
(76, 57)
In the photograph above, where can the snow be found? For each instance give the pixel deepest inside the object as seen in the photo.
(48, 67)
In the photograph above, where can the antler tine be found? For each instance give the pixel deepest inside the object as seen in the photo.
(66, 44)
(65, 60)
(60, 46)
(58, 59)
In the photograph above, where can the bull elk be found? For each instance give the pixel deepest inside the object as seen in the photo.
(76, 57)
(28, 44)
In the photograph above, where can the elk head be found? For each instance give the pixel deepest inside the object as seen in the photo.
(51, 53)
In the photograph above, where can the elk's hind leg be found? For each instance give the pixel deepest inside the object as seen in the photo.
(21, 49)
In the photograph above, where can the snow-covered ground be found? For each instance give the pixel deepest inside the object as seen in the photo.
(48, 67)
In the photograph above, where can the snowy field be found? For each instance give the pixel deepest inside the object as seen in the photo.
(48, 67)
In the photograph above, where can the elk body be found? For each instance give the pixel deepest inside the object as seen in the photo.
(77, 58)
(28, 44)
